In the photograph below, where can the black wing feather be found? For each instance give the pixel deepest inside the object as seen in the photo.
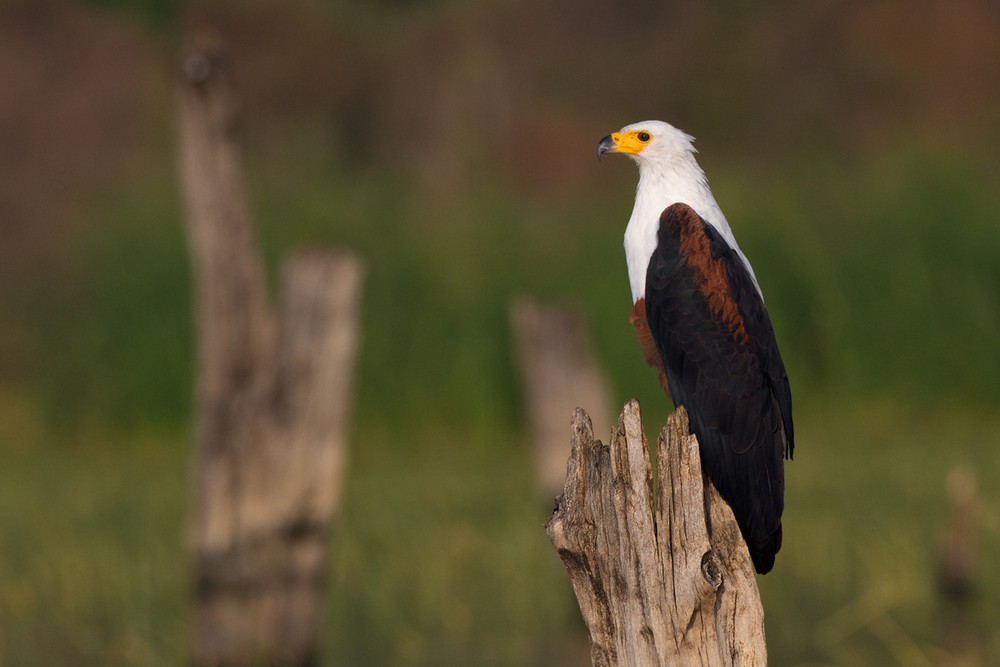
(735, 390)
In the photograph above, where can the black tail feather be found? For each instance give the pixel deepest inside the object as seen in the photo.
(762, 552)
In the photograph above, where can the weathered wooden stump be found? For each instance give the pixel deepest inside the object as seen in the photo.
(273, 397)
(964, 635)
(660, 580)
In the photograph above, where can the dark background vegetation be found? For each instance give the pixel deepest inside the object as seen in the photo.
(853, 145)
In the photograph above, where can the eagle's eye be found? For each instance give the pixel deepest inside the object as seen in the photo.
(643, 137)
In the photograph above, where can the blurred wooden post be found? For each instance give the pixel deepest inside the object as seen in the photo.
(664, 581)
(559, 371)
(273, 396)
(956, 573)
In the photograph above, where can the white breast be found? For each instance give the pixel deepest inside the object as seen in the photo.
(658, 189)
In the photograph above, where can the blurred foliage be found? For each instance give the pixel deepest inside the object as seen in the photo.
(451, 145)
(157, 12)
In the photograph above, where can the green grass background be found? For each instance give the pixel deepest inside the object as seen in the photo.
(882, 276)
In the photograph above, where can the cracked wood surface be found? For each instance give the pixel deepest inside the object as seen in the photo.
(662, 577)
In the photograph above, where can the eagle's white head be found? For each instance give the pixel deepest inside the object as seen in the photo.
(668, 174)
(650, 143)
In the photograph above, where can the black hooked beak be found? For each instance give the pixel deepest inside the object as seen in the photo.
(606, 145)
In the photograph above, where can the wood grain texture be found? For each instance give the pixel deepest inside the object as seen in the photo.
(664, 578)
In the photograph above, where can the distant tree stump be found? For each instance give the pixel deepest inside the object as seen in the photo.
(559, 371)
(963, 632)
(274, 391)
(664, 581)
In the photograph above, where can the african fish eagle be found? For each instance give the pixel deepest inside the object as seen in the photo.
(701, 321)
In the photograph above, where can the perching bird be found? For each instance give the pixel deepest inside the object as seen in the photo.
(702, 323)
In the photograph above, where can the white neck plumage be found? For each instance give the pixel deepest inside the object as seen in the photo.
(661, 184)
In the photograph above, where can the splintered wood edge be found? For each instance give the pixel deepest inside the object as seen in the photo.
(724, 566)
(682, 514)
(571, 499)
